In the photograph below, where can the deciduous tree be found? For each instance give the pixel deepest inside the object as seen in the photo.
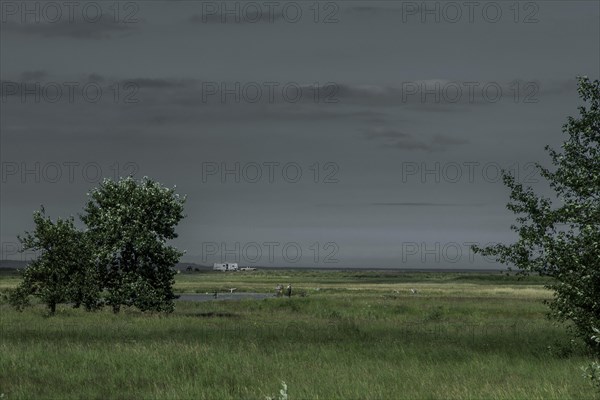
(559, 236)
(129, 223)
(63, 271)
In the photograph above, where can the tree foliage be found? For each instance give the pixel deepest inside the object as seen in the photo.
(129, 222)
(63, 272)
(560, 236)
(122, 259)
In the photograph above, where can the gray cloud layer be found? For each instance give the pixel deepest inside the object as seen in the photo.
(412, 152)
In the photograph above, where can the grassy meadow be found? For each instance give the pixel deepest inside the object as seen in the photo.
(342, 335)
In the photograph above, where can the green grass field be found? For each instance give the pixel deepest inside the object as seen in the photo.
(345, 335)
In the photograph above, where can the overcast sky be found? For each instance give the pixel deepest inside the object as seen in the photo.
(331, 134)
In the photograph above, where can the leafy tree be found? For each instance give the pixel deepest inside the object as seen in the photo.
(560, 237)
(129, 223)
(592, 371)
(63, 272)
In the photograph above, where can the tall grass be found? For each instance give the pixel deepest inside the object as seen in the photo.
(369, 343)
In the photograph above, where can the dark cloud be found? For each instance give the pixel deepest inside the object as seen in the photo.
(426, 204)
(195, 92)
(33, 75)
(390, 137)
(552, 88)
(363, 9)
(164, 101)
(442, 140)
(161, 102)
(159, 83)
(75, 30)
(424, 95)
(252, 17)
(387, 133)
(200, 114)
(441, 95)
(96, 78)
(401, 204)
(378, 11)
(421, 96)
(429, 94)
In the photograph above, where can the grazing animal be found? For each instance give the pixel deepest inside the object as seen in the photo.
(232, 289)
(414, 291)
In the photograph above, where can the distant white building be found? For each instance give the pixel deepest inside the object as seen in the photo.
(225, 267)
